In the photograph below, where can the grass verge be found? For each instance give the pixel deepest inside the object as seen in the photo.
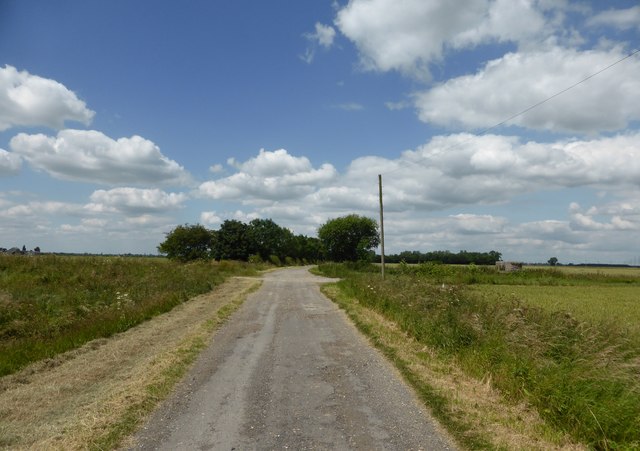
(473, 412)
(94, 396)
(581, 378)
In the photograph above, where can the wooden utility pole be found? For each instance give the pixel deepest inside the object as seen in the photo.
(381, 226)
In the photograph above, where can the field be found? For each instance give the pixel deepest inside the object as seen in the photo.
(563, 341)
(51, 304)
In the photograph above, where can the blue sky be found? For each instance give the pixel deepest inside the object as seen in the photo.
(120, 120)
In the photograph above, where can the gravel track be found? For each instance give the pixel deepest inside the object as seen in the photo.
(289, 371)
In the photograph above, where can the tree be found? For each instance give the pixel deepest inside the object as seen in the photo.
(268, 238)
(233, 241)
(188, 242)
(349, 238)
(553, 261)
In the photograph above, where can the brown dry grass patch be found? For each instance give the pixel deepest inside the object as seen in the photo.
(94, 395)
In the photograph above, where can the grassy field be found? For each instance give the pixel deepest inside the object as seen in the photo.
(561, 340)
(594, 304)
(51, 304)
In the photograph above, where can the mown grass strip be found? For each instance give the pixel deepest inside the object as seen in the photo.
(181, 360)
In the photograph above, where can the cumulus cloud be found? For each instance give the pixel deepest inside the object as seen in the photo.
(623, 19)
(10, 163)
(30, 100)
(210, 218)
(414, 34)
(269, 176)
(90, 156)
(446, 176)
(516, 81)
(136, 201)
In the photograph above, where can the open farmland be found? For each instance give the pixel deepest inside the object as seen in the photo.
(595, 304)
(561, 343)
(51, 304)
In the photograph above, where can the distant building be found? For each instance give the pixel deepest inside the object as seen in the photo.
(508, 266)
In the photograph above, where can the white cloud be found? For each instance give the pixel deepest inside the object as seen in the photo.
(10, 163)
(411, 35)
(136, 201)
(90, 156)
(30, 100)
(322, 36)
(210, 218)
(269, 176)
(427, 192)
(623, 19)
(516, 81)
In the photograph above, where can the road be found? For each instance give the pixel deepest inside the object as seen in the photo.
(288, 371)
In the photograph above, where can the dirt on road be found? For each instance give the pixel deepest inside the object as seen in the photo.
(289, 371)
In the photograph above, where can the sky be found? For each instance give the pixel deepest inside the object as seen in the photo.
(121, 119)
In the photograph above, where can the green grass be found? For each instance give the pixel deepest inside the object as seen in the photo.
(581, 375)
(51, 304)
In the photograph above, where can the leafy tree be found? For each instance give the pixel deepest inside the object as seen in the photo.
(349, 238)
(268, 238)
(188, 242)
(233, 241)
(307, 249)
(553, 261)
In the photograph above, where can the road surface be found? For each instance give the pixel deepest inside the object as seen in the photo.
(288, 371)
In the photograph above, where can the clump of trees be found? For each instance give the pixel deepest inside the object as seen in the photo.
(446, 257)
(259, 240)
(347, 238)
(350, 238)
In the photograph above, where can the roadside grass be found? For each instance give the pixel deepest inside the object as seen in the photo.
(51, 304)
(94, 396)
(473, 412)
(176, 363)
(580, 376)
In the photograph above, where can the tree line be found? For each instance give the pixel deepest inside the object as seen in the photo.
(347, 238)
(446, 257)
(259, 240)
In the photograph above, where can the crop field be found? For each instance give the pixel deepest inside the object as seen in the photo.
(566, 341)
(51, 304)
(595, 304)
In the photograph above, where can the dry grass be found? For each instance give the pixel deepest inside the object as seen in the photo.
(94, 395)
(472, 406)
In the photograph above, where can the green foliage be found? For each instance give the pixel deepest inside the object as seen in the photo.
(188, 242)
(349, 238)
(553, 261)
(233, 241)
(51, 304)
(268, 238)
(581, 376)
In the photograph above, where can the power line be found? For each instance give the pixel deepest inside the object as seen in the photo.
(526, 110)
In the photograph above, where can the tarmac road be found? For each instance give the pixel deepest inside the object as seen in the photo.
(288, 371)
